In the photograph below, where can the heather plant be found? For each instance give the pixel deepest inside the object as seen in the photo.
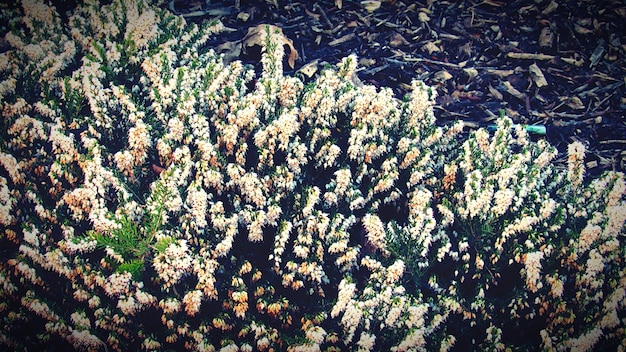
(515, 250)
(154, 197)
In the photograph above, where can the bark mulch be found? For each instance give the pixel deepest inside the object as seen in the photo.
(556, 64)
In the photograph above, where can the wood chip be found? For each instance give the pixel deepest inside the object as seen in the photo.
(495, 93)
(342, 39)
(550, 8)
(514, 92)
(537, 76)
(492, 3)
(582, 30)
(597, 54)
(501, 73)
(575, 103)
(471, 72)
(430, 48)
(397, 40)
(370, 5)
(449, 36)
(573, 61)
(546, 37)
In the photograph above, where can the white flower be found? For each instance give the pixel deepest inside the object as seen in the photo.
(118, 284)
(375, 232)
(532, 265)
(366, 342)
(316, 334)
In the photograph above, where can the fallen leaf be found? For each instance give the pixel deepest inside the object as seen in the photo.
(309, 69)
(511, 113)
(339, 4)
(442, 76)
(229, 50)
(605, 77)
(397, 40)
(255, 37)
(541, 98)
(537, 76)
(371, 5)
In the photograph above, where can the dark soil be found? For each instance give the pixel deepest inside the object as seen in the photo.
(478, 54)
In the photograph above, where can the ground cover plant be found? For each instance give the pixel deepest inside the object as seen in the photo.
(154, 197)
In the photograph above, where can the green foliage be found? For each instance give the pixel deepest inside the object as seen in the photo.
(127, 240)
(133, 240)
(135, 267)
(161, 244)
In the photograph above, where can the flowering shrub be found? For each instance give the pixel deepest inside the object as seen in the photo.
(153, 197)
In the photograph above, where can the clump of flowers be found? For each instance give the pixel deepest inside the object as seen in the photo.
(154, 197)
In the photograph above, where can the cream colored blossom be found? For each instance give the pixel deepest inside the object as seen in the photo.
(192, 301)
(197, 199)
(532, 268)
(12, 166)
(575, 163)
(84, 340)
(375, 232)
(173, 264)
(142, 27)
(128, 305)
(118, 284)
(586, 341)
(7, 201)
(366, 342)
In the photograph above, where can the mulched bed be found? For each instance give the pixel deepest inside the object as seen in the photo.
(560, 65)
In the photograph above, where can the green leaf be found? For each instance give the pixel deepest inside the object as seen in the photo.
(134, 267)
(162, 244)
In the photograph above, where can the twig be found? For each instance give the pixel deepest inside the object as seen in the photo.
(529, 56)
(441, 63)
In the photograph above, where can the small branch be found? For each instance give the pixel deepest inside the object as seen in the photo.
(317, 7)
(441, 63)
